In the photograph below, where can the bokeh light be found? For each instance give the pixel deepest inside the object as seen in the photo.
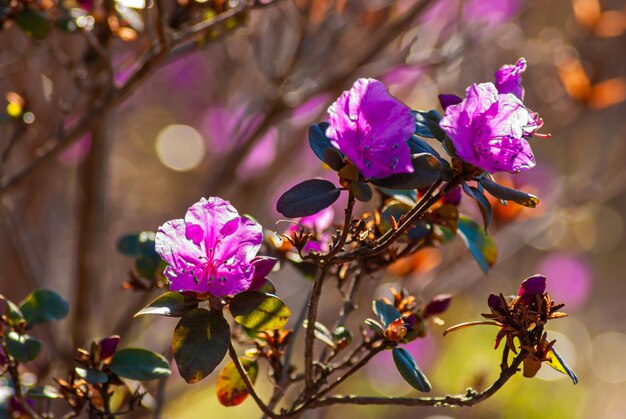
(569, 278)
(607, 357)
(180, 147)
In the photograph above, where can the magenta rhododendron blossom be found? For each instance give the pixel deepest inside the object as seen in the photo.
(490, 129)
(212, 250)
(509, 78)
(371, 128)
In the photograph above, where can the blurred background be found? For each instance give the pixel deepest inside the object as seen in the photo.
(228, 116)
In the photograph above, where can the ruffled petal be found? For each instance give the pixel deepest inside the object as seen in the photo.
(172, 245)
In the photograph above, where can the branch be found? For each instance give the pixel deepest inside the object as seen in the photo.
(246, 379)
(469, 399)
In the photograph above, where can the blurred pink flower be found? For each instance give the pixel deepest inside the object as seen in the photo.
(569, 278)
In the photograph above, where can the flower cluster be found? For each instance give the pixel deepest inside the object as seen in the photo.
(490, 128)
(212, 250)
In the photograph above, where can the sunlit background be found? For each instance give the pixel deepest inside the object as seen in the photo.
(231, 120)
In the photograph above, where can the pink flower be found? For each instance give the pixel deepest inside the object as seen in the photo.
(212, 250)
(371, 128)
(509, 78)
(490, 129)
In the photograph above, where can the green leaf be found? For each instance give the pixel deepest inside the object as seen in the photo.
(231, 389)
(23, 348)
(42, 306)
(375, 326)
(385, 312)
(362, 191)
(33, 22)
(258, 311)
(199, 344)
(139, 364)
(92, 376)
(137, 244)
(322, 333)
(556, 362)
(170, 304)
(14, 313)
(509, 194)
(409, 370)
(478, 242)
(44, 392)
(307, 198)
(426, 171)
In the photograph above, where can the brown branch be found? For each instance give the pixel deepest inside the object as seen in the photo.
(246, 379)
(469, 399)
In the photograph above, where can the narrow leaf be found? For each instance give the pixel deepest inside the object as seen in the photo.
(481, 246)
(170, 304)
(307, 198)
(509, 194)
(231, 389)
(556, 362)
(199, 344)
(483, 203)
(259, 311)
(409, 370)
(44, 392)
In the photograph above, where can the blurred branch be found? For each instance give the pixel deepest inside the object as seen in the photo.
(112, 97)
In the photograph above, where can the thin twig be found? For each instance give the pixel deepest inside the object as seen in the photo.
(469, 399)
(246, 379)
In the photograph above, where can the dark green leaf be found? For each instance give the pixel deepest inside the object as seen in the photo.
(199, 344)
(42, 306)
(44, 392)
(483, 203)
(480, 245)
(259, 311)
(33, 22)
(362, 191)
(426, 172)
(409, 370)
(139, 364)
(231, 389)
(307, 198)
(508, 194)
(318, 141)
(334, 159)
(23, 348)
(92, 376)
(170, 304)
(137, 245)
(385, 312)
